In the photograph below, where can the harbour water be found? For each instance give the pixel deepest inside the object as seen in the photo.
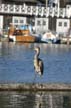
(16, 63)
(16, 66)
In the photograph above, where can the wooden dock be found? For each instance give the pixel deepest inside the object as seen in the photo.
(66, 40)
(34, 87)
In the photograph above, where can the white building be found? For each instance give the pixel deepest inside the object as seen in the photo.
(19, 21)
(68, 10)
(41, 25)
(62, 26)
(1, 21)
(1, 24)
(55, 18)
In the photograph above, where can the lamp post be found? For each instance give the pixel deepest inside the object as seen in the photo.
(46, 6)
(46, 3)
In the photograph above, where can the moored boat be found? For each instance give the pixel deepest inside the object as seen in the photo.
(21, 35)
(49, 37)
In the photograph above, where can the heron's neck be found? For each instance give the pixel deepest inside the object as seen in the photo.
(36, 55)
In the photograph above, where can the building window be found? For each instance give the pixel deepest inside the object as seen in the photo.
(21, 21)
(38, 23)
(44, 22)
(15, 21)
(65, 24)
(60, 23)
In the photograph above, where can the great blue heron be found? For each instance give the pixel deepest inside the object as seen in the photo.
(38, 63)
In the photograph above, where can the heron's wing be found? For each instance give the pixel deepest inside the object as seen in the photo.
(36, 64)
(41, 66)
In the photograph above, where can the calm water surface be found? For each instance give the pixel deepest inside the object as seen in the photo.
(16, 63)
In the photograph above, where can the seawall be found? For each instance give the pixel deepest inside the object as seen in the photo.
(34, 87)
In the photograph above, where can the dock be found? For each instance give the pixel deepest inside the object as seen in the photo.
(66, 40)
(35, 87)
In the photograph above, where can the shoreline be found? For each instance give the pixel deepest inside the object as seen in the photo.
(35, 87)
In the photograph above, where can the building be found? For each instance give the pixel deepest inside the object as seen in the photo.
(63, 3)
(63, 24)
(41, 25)
(54, 17)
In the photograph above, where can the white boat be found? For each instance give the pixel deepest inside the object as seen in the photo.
(49, 37)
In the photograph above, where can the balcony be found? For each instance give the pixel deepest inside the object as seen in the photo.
(40, 11)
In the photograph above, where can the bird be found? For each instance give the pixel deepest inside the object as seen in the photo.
(38, 63)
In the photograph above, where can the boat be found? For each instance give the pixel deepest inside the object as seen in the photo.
(21, 34)
(66, 40)
(49, 37)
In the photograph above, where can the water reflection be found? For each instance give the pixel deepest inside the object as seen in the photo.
(35, 100)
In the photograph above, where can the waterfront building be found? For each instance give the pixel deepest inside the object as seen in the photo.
(19, 21)
(55, 17)
(62, 26)
(41, 25)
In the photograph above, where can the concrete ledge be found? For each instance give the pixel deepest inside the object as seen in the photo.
(34, 87)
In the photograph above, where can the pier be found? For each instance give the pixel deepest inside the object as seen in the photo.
(35, 87)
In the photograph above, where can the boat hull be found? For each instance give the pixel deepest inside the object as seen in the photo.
(22, 38)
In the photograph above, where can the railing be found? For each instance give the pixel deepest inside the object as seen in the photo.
(34, 10)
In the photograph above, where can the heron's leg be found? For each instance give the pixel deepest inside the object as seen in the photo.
(34, 80)
(41, 85)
